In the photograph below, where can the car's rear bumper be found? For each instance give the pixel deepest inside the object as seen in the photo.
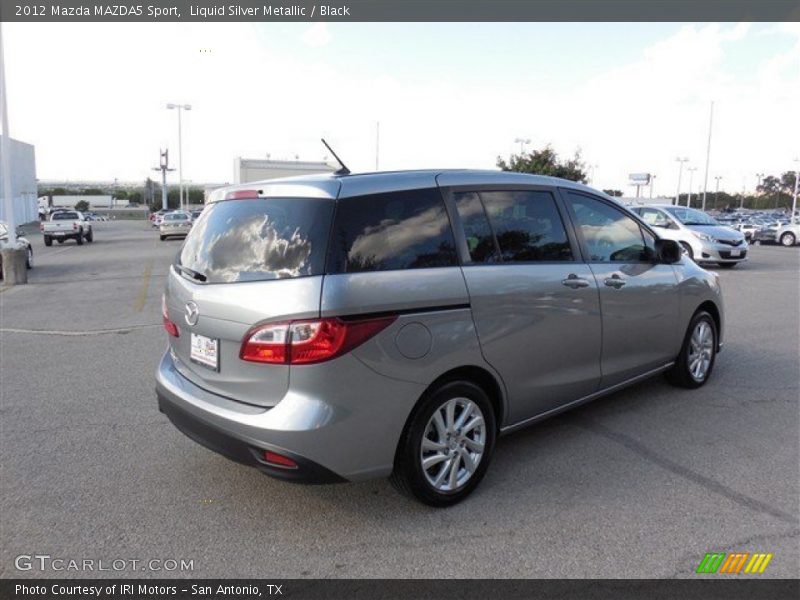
(335, 430)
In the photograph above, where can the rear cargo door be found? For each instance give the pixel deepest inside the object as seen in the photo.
(246, 262)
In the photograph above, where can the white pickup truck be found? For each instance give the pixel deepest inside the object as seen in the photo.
(67, 224)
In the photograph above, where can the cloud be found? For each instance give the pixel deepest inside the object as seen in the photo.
(317, 35)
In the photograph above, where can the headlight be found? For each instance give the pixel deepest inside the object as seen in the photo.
(704, 236)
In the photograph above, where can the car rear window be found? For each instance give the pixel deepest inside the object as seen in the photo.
(258, 239)
(390, 231)
(65, 216)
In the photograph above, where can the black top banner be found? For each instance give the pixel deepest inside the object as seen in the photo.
(401, 10)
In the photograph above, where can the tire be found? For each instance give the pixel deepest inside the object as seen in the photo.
(788, 239)
(680, 374)
(29, 260)
(79, 239)
(687, 249)
(162, 237)
(727, 265)
(48, 241)
(90, 236)
(409, 476)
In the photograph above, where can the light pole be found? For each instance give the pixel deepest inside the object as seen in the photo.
(163, 167)
(680, 172)
(691, 178)
(652, 185)
(8, 199)
(716, 190)
(180, 108)
(522, 142)
(708, 154)
(794, 198)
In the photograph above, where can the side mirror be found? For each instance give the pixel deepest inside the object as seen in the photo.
(668, 251)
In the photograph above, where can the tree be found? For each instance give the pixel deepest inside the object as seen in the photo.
(614, 193)
(546, 162)
(82, 205)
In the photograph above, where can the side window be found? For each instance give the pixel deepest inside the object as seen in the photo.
(610, 235)
(653, 217)
(397, 230)
(527, 225)
(480, 239)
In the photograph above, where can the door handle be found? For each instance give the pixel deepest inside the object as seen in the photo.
(574, 282)
(614, 281)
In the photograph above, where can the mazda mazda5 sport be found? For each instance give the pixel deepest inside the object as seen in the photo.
(343, 327)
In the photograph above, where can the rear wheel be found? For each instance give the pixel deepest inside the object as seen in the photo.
(447, 445)
(90, 236)
(696, 361)
(162, 237)
(788, 239)
(79, 239)
(48, 241)
(29, 260)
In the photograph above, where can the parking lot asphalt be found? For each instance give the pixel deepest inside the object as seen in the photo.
(638, 484)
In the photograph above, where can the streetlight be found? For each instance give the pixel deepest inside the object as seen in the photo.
(716, 191)
(522, 142)
(652, 185)
(794, 198)
(180, 108)
(680, 172)
(691, 177)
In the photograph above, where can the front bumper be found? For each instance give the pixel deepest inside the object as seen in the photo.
(721, 253)
(333, 429)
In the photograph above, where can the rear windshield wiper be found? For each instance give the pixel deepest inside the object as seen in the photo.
(191, 274)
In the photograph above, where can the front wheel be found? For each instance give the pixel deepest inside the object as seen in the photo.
(447, 445)
(29, 260)
(696, 360)
(788, 239)
(687, 250)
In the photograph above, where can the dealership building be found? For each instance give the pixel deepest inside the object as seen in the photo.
(23, 183)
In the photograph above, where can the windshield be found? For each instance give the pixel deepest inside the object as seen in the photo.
(258, 239)
(691, 216)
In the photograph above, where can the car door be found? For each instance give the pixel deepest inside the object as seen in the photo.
(534, 302)
(639, 298)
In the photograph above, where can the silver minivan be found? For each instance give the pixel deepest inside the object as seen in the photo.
(344, 327)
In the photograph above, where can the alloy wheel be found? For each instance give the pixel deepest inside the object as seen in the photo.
(701, 351)
(453, 444)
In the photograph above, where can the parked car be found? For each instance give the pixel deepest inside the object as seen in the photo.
(345, 327)
(21, 239)
(155, 217)
(65, 225)
(174, 224)
(787, 235)
(702, 238)
(196, 214)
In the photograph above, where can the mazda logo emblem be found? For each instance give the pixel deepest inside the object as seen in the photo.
(192, 313)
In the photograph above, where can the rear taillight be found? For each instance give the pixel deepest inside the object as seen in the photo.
(171, 328)
(308, 342)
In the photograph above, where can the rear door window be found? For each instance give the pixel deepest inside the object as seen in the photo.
(390, 231)
(258, 239)
(478, 233)
(527, 225)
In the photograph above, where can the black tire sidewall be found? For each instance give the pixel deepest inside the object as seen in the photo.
(409, 461)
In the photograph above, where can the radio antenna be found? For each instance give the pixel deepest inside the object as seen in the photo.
(344, 170)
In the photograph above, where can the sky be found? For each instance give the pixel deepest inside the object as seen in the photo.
(631, 97)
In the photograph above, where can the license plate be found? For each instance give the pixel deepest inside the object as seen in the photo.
(205, 351)
(58, 233)
(736, 252)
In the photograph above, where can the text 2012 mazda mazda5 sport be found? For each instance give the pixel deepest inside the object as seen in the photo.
(344, 327)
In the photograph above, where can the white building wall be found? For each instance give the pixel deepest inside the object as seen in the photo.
(23, 183)
(246, 170)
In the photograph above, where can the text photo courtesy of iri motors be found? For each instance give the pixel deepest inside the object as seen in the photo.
(403, 300)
